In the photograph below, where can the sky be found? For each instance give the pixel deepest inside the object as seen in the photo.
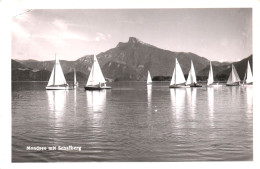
(218, 34)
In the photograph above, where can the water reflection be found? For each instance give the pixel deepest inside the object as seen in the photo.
(149, 95)
(75, 101)
(178, 102)
(249, 99)
(96, 100)
(249, 96)
(192, 96)
(210, 93)
(56, 100)
(57, 105)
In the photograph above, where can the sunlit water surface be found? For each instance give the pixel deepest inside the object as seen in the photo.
(132, 122)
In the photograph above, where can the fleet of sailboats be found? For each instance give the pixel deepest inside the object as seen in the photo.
(192, 80)
(178, 79)
(149, 79)
(233, 79)
(96, 80)
(248, 78)
(57, 80)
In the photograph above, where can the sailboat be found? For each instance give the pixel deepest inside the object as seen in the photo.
(211, 77)
(96, 80)
(178, 79)
(248, 79)
(192, 80)
(149, 79)
(233, 79)
(57, 80)
(75, 84)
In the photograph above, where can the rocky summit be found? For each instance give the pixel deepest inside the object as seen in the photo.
(127, 61)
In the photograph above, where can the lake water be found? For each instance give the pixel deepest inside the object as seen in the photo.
(132, 122)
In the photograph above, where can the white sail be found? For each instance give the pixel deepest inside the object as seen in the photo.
(96, 76)
(177, 76)
(233, 77)
(192, 75)
(210, 78)
(75, 78)
(51, 80)
(173, 80)
(57, 76)
(149, 79)
(249, 76)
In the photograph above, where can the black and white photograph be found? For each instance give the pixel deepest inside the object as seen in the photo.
(132, 85)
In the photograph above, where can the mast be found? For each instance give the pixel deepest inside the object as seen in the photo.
(54, 69)
(75, 80)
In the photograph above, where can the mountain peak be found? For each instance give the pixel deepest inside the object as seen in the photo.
(133, 40)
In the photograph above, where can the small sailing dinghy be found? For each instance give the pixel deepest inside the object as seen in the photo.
(57, 80)
(178, 79)
(192, 80)
(96, 80)
(248, 78)
(210, 81)
(210, 77)
(75, 84)
(233, 79)
(149, 79)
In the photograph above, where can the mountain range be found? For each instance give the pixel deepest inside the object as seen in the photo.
(127, 61)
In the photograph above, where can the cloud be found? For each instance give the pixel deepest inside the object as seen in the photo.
(102, 36)
(60, 31)
(61, 25)
(19, 30)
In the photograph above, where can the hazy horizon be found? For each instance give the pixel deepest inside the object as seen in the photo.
(218, 34)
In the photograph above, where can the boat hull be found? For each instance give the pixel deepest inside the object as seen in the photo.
(96, 87)
(178, 86)
(57, 88)
(233, 84)
(195, 85)
(251, 83)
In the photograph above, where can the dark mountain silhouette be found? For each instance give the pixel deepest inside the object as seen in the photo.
(79, 75)
(16, 65)
(240, 66)
(131, 60)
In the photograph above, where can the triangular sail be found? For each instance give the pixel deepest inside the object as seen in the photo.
(173, 81)
(192, 75)
(75, 78)
(57, 76)
(51, 80)
(249, 76)
(210, 78)
(233, 77)
(177, 77)
(96, 76)
(149, 79)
